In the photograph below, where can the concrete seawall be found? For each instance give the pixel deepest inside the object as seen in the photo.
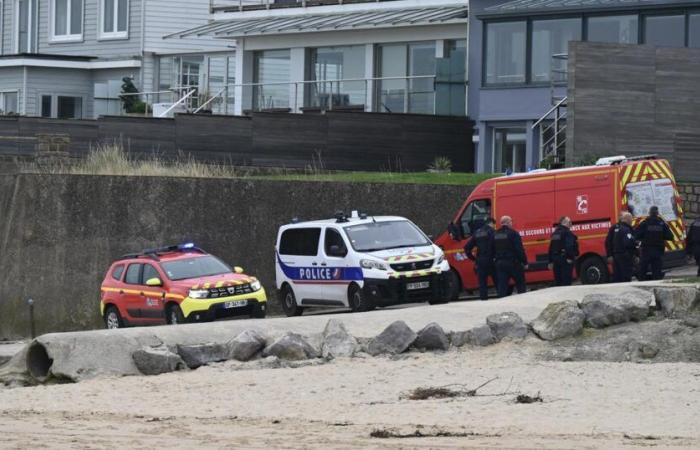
(58, 233)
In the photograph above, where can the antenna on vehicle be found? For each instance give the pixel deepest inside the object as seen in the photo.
(295, 220)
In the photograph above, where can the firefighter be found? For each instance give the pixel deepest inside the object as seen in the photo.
(692, 242)
(509, 254)
(563, 250)
(652, 232)
(624, 249)
(609, 245)
(483, 262)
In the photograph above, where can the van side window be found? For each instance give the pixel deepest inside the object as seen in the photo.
(333, 238)
(149, 272)
(475, 215)
(117, 272)
(133, 274)
(300, 241)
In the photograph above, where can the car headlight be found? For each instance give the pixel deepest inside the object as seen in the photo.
(372, 264)
(255, 285)
(198, 293)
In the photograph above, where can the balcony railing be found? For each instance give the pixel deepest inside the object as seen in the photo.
(244, 5)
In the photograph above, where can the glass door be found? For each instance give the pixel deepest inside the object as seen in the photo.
(509, 152)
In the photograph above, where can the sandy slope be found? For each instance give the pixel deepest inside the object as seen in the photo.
(337, 405)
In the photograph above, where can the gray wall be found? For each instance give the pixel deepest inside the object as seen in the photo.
(59, 233)
(635, 99)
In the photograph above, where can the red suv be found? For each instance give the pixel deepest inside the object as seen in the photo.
(177, 284)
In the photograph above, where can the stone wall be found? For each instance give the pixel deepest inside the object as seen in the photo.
(691, 199)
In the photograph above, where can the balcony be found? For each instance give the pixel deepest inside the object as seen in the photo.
(252, 5)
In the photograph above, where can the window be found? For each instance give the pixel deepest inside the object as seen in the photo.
(133, 274)
(451, 80)
(300, 241)
(664, 31)
(333, 238)
(46, 106)
(549, 38)
(475, 216)
(271, 70)
(115, 19)
(69, 107)
(509, 150)
(694, 30)
(66, 20)
(149, 272)
(328, 64)
(8, 103)
(505, 52)
(117, 272)
(413, 66)
(26, 15)
(615, 29)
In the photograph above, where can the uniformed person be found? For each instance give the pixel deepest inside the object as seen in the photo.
(692, 242)
(653, 233)
(624, 249)
(609, 245)
(483, 262)
(563, 250)
(510, 258)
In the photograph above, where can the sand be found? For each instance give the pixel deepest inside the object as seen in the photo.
(338, 405)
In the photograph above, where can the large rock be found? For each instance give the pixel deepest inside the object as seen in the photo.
(677, 302)
(291, 347)
(559, 320)
(337, 342)
(157, 360)
(432, 337)
(202, 354)
(604, 310)
(245, 346)
(480, 336)
(507, 325)
(395, 339)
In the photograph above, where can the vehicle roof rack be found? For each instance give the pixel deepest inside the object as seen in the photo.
(634, 158)
(340, 217)
(154, 253)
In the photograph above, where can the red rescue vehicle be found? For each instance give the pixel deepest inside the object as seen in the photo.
(592, 196)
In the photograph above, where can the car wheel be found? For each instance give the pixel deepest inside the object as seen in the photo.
(113, 319)
(454, 286)
(174, 316)
(593, 270)
(289, 302)
(357, 300)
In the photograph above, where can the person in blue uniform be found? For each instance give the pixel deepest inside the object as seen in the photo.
(609, 245)
(692, 242)
(624, 249)
(483, 261)
(563, 250)
(653, 233)
(510, 258)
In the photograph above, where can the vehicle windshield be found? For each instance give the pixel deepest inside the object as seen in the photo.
(371, 237)
(202, 266)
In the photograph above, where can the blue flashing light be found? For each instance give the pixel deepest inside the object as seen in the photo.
(186, 246)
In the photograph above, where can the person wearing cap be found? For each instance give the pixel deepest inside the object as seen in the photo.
(483, 261)
(653, 233)
(624, 249)
(609, 242)
(563, 250)
(510, 258)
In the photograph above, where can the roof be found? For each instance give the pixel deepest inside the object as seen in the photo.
(553, 6)
(355, 20)
(350, 221)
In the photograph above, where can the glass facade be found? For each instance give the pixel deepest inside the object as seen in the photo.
(665, 31)
(271, 71)
(408, 78)
(694, 30)
(328, 65)
(509, 150)
(615, 29)
(451, 80)
(26, 28)
(505, 52)
(550, 37)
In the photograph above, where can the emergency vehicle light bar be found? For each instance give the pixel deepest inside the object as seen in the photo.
(153, 253)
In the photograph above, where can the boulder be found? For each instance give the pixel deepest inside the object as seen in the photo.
(202, 354)
(677, 302)
(337, 342)
(245, 346)
(291, 347)
(559, 320)
(432, 337)
(395, 339)
(604, 310)
(507, 325)
(157, 360)
(480, 336)
(637, 303)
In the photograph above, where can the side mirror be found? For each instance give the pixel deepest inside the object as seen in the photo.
(337, 251)
(238, 269)
(455, 232)
(154, 282)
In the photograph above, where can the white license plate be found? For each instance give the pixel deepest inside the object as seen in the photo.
(236, 304)
(415, 286)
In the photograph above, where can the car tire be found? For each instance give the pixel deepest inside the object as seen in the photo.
(593, 270)
(454, 286)
(174, 316)
(113, 320)
(289, 302)
(358, 301)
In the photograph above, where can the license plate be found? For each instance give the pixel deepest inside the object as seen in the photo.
(415, 286)
(236, 304)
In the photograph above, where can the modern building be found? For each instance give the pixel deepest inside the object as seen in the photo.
(67, 58)
(518, 61)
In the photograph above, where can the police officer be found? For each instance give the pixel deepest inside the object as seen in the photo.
(609, 245)
(563, 250)
(692, 242)
(652, 232)
(483, 262)
(509, 254)
(624, 249)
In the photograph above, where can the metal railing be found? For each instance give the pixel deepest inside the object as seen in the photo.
(240, 5)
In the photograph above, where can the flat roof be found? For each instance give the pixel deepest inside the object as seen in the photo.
(525, 7)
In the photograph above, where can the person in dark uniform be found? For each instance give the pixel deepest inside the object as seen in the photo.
(624, 249)
(692, 242)
(483, 262)
(509, 254)
(563, 250)
(653, 233)
(609, 245)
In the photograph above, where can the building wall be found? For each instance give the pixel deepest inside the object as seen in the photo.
(690, 192)
(69, 82)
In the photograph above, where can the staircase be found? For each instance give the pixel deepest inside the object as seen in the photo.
(552, 125)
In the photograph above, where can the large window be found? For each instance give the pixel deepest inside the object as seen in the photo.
(408, 78)
(300, 241)
(615, 29)
(271, 71)
(9, 103)
(66, 20)
(694, 30)
(665, 31)
(509, 150)
(505, 52)
(115, 18)
(69, 107)
(451, 80)
(549, 38)
(26, 18)
(329, 64)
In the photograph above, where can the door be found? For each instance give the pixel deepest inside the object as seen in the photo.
(335, 251)
(152, 298)
(132, 290)
(300, 261)
(473, 217)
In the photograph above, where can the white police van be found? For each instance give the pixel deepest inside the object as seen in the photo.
(357, 262)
